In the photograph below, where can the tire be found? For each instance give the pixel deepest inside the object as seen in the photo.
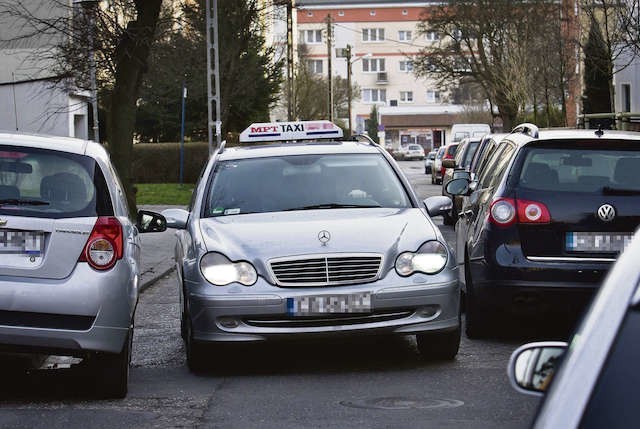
(440, 345)
(112, 371)
(447, 219)
(196, 351)
(433, 181)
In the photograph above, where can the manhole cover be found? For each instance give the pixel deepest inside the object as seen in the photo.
(402, 403)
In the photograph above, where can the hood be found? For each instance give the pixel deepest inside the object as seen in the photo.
(260, 237)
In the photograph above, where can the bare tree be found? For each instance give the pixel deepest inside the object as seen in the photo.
(494, 43)
(122, 32)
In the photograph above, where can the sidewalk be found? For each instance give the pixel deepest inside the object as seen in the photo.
(157, 251)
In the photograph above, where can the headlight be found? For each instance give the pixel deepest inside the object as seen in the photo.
(220, 271)
(430, 258)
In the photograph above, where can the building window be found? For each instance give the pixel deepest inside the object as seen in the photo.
(341, 13)
(315, 66)
(372, 34)
(406, 96)
(433, 96)
(431, 36)
(311, 37)
(626, 97)
(406, 66)
(374, 95)
(373, 65)
(404, 35)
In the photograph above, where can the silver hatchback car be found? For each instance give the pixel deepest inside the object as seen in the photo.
(69, 256)
(311, 238)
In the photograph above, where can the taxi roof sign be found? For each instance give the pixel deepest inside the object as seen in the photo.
(287, 131)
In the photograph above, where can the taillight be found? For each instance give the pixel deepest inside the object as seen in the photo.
(503, 211)
(532, 212)
(104, 246)
(506, 211)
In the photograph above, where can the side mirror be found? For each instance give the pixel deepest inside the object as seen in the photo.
(449, 163)
(438, 205)
(176, 218)
(148, 221)
(458, 186)
(532, 366)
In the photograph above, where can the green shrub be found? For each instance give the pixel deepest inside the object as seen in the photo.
(160, 162)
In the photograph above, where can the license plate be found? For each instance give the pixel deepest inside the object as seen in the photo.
(21, 242)
(597, 242)
(325, 304)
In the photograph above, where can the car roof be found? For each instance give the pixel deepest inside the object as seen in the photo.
(319, 147)
(521, 138)
(63, 144)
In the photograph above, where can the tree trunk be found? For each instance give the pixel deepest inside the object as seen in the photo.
(132, 53)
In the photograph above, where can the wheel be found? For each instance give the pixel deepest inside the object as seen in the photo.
(440, 345)
(195, 350)
(111, 371)
(426, 170)
(447, 219)
(433, 179)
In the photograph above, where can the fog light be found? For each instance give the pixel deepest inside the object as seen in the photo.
(428, 312)
(228, 322)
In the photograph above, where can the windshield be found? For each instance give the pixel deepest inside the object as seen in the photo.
(303, 182)
(51, 184)
(583, 170)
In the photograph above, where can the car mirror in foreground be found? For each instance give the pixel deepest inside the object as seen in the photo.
(458, 186)
(532, 366)
(438, 205)
(176, 218)
(449, 163)
(150, 221)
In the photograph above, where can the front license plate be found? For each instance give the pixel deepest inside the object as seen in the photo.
(21, 242)
(597, 242)
(325, 304)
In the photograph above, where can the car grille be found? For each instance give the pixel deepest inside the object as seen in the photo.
(326, 270)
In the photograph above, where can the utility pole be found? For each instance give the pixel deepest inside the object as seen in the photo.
(213, 75)
(329, 68)
(349, 95)
(290, 94)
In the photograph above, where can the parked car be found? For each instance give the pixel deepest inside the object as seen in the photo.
(428, 162)
(593, 382)
(544, 221)
(457, 167)
(448, 152)
(69, 256)
(304, 240)
(483, 153)
(437, 164)
(412, 151)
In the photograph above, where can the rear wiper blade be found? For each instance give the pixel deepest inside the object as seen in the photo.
(607, 190)
(334, 206)
(18, 202)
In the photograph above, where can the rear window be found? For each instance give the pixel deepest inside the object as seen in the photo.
(584, 170)
(451, 150)
(51, 184)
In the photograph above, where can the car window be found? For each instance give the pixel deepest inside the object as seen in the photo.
(581, 170)
(496, 165)
(271, 184)
(452, 150)
(51, 184)
(460, 152)
(614, 401)
(468, 154)
(440, 153)
(484, 155)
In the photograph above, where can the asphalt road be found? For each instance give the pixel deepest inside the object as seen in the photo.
(364, 383)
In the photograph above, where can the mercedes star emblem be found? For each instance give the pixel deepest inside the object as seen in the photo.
(606, 212)
(324, 237)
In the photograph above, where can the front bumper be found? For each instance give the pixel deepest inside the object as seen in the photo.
(86, 312)
(409, 309)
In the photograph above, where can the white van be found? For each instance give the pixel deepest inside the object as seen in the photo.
(462, 131)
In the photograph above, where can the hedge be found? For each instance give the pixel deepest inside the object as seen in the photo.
(160, 162)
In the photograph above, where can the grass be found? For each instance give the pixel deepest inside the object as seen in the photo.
(164, 193)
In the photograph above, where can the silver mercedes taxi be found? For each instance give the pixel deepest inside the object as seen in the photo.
(299, 234)
(69, 256)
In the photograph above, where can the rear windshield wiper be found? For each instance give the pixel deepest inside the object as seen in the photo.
(607, 190)
(334, 206)
(18, 202)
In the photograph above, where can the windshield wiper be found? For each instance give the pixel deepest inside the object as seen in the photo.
(607, 190)
(334, 206)
(18, 202)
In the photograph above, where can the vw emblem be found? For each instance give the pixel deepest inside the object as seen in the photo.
(606, 212)
(324, 237)
(3, 222)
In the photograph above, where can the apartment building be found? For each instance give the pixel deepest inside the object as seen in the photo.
(383, 37)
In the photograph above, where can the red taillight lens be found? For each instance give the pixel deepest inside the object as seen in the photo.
(503, 212)
(104, 246)
(532, 212)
